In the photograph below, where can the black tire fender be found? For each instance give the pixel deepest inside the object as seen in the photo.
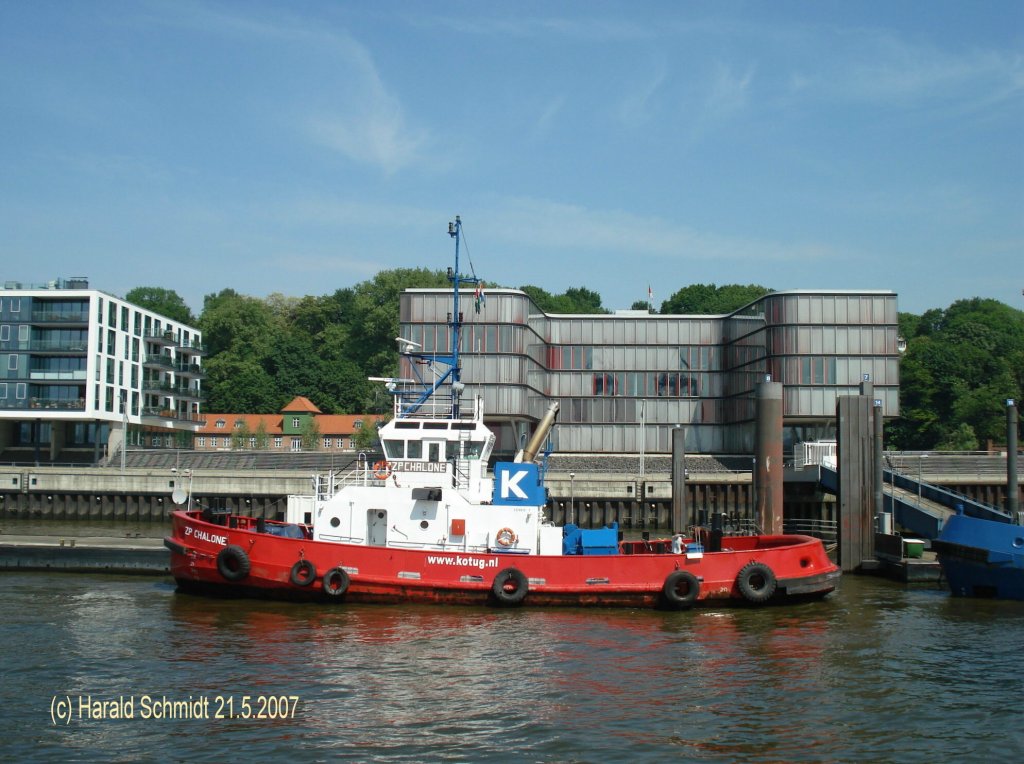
(303, 573)
(336, 582)
(756, 582)
(510, 586)
(681, 589)
(233, 563)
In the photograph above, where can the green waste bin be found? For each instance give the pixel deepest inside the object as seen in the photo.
(913, 548)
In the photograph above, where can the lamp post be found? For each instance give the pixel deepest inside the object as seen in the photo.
(572, 495)
(920, 462)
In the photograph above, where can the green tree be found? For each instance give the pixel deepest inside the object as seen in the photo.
(310, 434)
(262, 437)
(961, 365)
(705, 299)
(240, 436)
(573, 300)
(166, 302)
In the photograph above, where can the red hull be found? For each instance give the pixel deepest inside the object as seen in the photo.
(241, 560)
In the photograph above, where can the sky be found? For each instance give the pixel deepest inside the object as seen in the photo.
(302, 147)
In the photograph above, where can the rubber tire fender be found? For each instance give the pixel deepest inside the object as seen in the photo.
(339, 575)
(506, 578)
(756, 582)
(303, 573)
(681, 579)
(233, 563)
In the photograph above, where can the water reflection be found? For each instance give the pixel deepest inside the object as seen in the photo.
(875, 672)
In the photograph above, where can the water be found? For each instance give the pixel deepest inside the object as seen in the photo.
(876, 672)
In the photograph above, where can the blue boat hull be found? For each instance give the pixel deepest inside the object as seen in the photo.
(982, 558)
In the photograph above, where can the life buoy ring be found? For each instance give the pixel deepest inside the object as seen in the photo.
(756, 582)
(681, 589)
(510, 586)
(303, 573)
(506, 537)
(336, 582)
(382, 470)
(233, 563)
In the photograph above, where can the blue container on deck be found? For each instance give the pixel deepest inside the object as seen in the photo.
(576, 540)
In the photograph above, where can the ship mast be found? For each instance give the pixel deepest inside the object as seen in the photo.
(452, 375)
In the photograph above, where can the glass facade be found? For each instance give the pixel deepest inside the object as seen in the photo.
(76, 363)
(624, 381)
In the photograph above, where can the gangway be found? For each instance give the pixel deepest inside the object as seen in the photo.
(916, 505)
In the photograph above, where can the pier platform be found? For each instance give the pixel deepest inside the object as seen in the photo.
(84, 554)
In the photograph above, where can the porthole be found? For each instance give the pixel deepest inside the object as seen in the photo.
(335, 522)
(424, 524)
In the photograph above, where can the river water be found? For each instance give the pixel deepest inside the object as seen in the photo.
(99, 668)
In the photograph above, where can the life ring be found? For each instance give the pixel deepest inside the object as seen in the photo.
(756, 582)
(382, 470)
(336, 582)
(233, 563)
(681, 589)
(303, 573)
(510, 586)
(506, 537)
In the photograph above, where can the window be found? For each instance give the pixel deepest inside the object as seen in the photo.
(202, 441)
(15, 305)
(239, 424)
(328, 443)
(277, 442)
(219, 424)
(5, 333)
(20, 391)
(296, 444)
(3, 390)
(295, 423)
(252, 442)
(358, 424)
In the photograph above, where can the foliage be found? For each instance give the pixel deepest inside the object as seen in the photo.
(960, 366)
(573, 300)
(166, 302)
(704, 299)
(310, 434)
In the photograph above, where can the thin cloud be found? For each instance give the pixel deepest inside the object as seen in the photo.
(572, 228)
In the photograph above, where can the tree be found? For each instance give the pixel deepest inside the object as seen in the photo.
(960, 366)
(166, 302)
(310, 434)
(573, 300)
(705, 299)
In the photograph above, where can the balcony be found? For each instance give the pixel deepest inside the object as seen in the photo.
(192, 348)
(193, 370)
(59, 346)
(158, 361)
(166, 414)
(163, 339)
(55, 404)
(65, 318)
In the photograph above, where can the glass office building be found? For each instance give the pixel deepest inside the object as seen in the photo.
(623, 381)
(77, 364)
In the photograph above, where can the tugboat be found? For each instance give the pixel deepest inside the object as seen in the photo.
(431, 523)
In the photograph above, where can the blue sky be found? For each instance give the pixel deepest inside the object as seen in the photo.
(302, 147)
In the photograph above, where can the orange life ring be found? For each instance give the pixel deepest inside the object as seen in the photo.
(382, 470)
(506, 537)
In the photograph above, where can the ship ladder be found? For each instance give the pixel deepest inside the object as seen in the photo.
(461, 476)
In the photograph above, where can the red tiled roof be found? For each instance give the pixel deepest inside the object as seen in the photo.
(300, 404)
(329, 424)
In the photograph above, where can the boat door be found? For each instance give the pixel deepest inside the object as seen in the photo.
(377, 527)
(435, 451)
